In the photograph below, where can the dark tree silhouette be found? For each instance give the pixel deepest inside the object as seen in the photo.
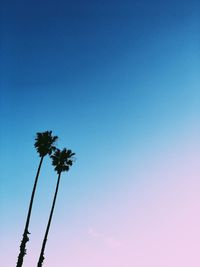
(44, 144)
(62, 160)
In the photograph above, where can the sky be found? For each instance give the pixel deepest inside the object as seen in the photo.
(118, 82)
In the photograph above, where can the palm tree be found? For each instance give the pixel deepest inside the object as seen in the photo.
(44, 144)
(62, 160)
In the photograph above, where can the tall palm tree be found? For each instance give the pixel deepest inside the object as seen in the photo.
(62, 160)
(44, 144)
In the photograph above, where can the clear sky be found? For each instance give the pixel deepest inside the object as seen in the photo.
(118, 82)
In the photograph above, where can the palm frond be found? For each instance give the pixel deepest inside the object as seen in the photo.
(44, 143)
(62, 160)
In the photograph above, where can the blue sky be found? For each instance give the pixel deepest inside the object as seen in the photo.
(115, 80)
(98, 65)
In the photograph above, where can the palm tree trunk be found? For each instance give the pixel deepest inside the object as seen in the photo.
(41, 258)
(25, 238)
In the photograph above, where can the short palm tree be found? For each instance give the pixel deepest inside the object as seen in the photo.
(44, 144)
(62, 160)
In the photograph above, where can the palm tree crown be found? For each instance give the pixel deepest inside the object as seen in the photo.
(62, 160)
(44, 143)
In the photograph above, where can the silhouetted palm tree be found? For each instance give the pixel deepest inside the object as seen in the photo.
(62, 160)
(44, 144)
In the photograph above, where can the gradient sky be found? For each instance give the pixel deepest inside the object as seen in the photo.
(118, 82)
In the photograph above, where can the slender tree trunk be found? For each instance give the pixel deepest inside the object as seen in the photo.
(41, 258)
(25, 238)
